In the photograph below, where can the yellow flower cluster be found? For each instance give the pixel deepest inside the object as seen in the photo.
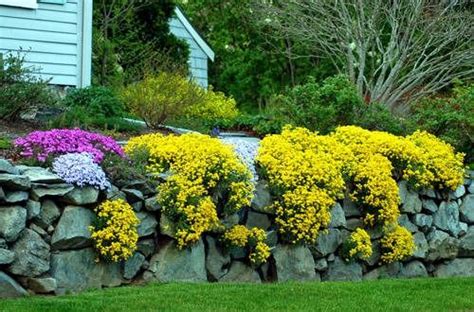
(215, 105)
(307, 173)
(253, 239)
(397, 244)
(115, 233)
(360, 244)
(204, 172)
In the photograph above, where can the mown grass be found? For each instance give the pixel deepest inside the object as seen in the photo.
(385, 295)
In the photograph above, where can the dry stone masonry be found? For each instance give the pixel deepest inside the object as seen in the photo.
(46, 247)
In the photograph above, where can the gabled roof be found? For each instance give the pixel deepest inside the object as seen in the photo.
(193, 32)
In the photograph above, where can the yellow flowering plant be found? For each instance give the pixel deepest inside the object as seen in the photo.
(207, 181)
(357, 246)
(115, 232)
(253, 240)
(397, 244)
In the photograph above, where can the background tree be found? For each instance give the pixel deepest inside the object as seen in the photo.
(131, 37)
(249, 66)
(394, 51)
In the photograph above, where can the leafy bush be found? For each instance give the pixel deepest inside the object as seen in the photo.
(20, 89)
(357, 245)
(5, 144)
(81, 170)
(253, 240)
(215, 106)
(43, 146)
(207, 181)
(307, 173)
(100, 101)
(159, 98)
(115, 232)
(451, 118)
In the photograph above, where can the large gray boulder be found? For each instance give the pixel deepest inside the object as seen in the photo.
(327, 243)
(72, 230)
(241, 273)
(16, 197)
(42, 285)
(467, 209)
(339, 270)
(447, 218)
(147, 224)
(9, 288)
(49, 213)
(411, 203)
(217, 262)
(262, 199)
(458, 193)
(41, 190)
(173, 265)
(294, 263)
(457, 267)
(7, 167)
(82, 196)
(31, 255)
(391, 270)
(15, 182)
(259, 220)
(41, 175)
(133, 265)
(421, 245)
(77, 270)
(12, 222)
(441, 246)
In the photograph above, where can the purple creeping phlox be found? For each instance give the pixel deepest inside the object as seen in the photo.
(81, 170)
(45, 145)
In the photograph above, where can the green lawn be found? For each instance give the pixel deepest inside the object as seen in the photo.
(386, 295)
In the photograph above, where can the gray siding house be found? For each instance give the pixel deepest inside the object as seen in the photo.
(56, 37)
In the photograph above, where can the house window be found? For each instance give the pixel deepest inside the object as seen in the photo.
(30, 4)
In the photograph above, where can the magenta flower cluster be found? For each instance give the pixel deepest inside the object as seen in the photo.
(45, 145)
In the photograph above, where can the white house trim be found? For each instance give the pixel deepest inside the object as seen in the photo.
(29, 4)
(199, 40)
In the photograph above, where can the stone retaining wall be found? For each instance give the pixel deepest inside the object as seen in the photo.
(45, 245)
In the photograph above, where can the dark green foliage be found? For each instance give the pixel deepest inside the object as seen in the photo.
(132, 39)
(450, 118)
(98, 101)
(5, 144)
(20, 89)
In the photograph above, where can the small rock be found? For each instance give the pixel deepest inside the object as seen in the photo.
(458, 193)
(48, 215)
(321, 265)
(152, 205)
(354, 223)
(404, 221)
(428, 193)
(16, 197)
(167, 227)
(467, 209)
(133, 195)
(413, 269)
(9, 288)
(114, 193)
(457, 267)
(82, 196)
(217, 262)
(2, 194)
(403, 191)
(146, 247)
(41, 175)
(147, 224)
(294, 263)
(262, 200)
(338, 218)
(412, 203)
(132, 266)
(376, 254)
(259, 220)
(31, 255)
(429, 205)
(173, 265)
(137, 206)
(466, 246)
(33, 209)
(239, 272)
(421, 245)
(470, 189)
(38, 230)
(6, 256)
(230, 221)
(42, 285)
(272, 238)
(339, 270)
(72, 230)
(7, 167)
(327, 243)
(3, 243)
(15, 182)
(441, 246)
(350, 209)
(12, 222)
(447, 218)
(58, 190)
(423, 221)
(390, 270)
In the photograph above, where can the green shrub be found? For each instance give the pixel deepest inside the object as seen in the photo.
(162, 97)
(20, 89)
(5, 144)
(95, 100)
(450, 118)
